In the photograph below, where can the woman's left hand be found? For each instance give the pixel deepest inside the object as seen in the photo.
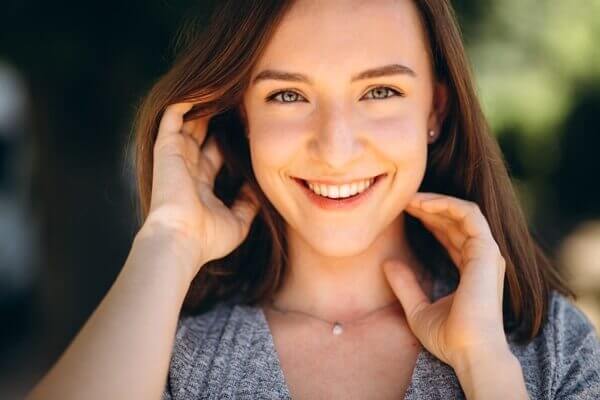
(468, 321)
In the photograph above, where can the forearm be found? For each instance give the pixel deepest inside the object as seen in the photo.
(123, 350)
(491, 375)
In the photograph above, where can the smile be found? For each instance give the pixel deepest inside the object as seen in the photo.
(339, 197)
(340, 191)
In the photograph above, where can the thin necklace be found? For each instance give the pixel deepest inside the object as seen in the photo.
(338, 326)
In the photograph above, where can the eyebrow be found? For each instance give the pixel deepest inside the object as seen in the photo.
(386, 70)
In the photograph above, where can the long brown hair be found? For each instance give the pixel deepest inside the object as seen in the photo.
(213, 70)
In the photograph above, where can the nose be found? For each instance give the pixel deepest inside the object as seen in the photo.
(337, 141)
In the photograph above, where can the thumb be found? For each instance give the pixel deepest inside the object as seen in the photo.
(406, 287)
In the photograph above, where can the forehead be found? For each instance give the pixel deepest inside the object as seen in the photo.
(339, 36)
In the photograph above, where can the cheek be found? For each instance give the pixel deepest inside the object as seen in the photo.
(274, 143)
(400, 139)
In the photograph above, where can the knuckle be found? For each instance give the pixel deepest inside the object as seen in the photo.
(176, 108)
(172, 115)
(416, 311)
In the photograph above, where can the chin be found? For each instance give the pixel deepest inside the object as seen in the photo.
(346, 245)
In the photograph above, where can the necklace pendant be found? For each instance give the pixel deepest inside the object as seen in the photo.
(337, 329)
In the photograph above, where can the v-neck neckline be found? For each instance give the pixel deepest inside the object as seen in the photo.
(438, 290)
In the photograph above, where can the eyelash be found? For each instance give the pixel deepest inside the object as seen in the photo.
(271, 98)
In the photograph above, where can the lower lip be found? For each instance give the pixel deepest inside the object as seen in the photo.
(339, 204)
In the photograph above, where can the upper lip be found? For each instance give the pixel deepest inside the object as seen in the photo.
(338, 181)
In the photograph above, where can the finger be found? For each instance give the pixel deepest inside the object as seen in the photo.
(169, 151)
(454, 233)
(434, 202)
(172, 120)
(189, 127)
(453, 252)
(421, 196)
(199, 128)
(191, 151)
(245, 207)
(466, 213)
(211, 151)
(406, 287)
(481, 278)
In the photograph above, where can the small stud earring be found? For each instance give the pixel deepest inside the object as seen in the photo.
(431, 133)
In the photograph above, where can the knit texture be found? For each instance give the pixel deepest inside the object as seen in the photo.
(228, 352)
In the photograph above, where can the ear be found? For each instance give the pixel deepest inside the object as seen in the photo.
(439, 110)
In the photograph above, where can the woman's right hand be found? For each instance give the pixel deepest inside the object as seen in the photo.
(182, 199)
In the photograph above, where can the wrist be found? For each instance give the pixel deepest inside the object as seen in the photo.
(165, 247)
(490, 373)
(467, 360)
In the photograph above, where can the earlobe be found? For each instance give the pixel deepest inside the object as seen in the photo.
(431, 136)
(438, 112)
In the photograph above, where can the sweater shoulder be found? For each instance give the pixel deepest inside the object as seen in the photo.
(214, 332)
(568, 343)
(567, 321)
(225, 350)
(576, 350)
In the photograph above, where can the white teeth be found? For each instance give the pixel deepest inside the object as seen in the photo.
(333, 191)
(341, 191)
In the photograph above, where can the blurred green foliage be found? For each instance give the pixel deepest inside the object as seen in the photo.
(536, 62)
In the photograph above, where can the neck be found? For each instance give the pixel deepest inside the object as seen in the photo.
(343, 288)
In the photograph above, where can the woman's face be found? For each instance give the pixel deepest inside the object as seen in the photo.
(330, 121)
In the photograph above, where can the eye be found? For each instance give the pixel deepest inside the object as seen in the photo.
(381, 93)
(290, 96)
(286, 96)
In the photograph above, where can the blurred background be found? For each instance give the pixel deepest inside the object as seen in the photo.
(71, 77)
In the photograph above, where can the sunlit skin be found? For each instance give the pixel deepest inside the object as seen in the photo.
(344, 264)
(334, 128)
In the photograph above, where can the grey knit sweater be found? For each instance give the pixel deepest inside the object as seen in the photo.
(228, 353)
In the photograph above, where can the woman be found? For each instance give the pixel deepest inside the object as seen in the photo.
(375, 248)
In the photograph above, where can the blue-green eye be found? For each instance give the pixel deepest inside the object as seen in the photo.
(383, 91)
(290, 96)
(287, 96)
